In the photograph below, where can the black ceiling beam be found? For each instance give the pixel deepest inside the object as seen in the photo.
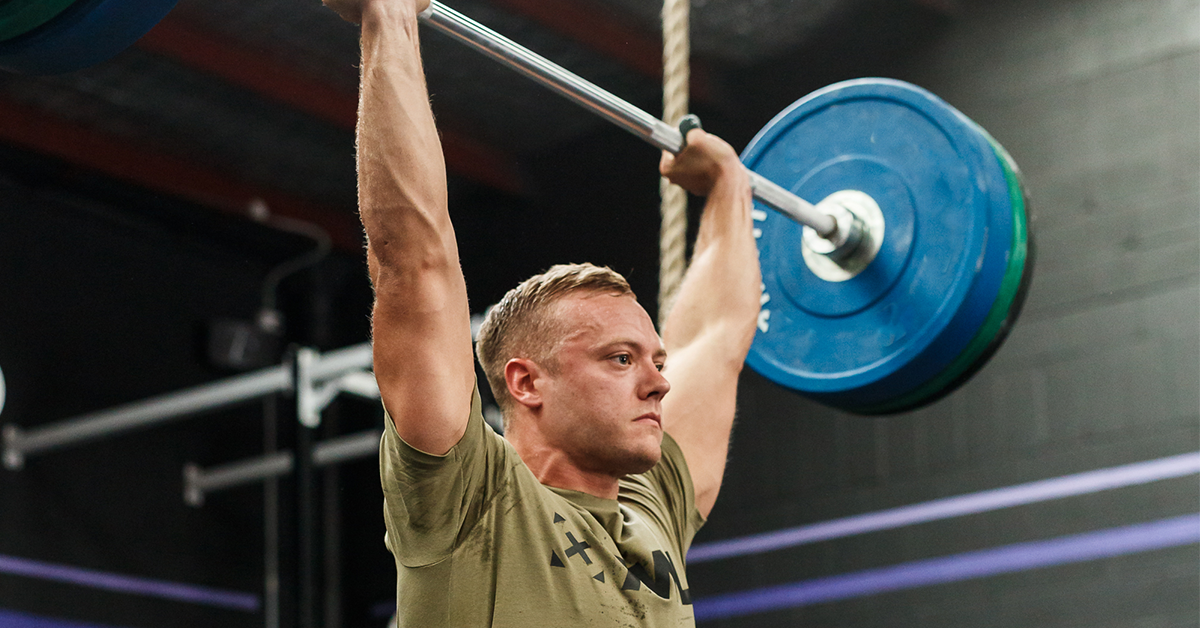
(249, 69)
(605, 32)
(40, 132)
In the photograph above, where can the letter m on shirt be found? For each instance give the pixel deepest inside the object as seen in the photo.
(660, 583)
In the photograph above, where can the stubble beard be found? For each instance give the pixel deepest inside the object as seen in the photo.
(601, 453)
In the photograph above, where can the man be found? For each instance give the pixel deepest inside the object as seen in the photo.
(583, 514)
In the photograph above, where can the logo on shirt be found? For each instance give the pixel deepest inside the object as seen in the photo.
(636, 575)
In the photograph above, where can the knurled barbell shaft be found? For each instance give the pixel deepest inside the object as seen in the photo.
(606, 105)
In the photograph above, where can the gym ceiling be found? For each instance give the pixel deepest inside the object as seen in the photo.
(226, 101)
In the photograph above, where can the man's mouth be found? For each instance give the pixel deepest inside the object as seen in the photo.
(650, 417)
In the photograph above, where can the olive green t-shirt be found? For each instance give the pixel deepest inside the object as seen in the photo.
(480, 542)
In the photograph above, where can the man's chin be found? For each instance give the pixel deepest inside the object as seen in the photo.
(644, 462)
(635, 458)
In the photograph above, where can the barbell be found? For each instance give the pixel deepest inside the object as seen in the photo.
(887, 294)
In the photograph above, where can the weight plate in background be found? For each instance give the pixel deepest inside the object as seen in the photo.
(18, 17)
(880, 336)
(86, 33)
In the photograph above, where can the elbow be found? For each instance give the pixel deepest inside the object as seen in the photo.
(408, 272)
(406, 238)
(385, 255)
(417, 273)
(742, 329)
(735, 336)
(743, 346)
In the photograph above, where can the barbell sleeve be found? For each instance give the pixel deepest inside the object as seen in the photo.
(604, 104)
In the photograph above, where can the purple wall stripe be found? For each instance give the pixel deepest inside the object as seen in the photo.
(1173, 532)
(383, 610)
(179, 592)
(949, 507)
(1043, 490)
(9, 619)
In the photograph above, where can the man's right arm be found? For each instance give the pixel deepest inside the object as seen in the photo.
(421, 321)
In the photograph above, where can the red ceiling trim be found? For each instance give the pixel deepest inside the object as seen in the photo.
(40, 132)
(596, 29)
(603, 32)
(256, 72)
(251, 70)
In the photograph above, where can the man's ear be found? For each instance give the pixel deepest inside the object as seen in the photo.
(522, 376)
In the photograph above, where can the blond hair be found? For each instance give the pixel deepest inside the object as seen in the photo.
(519, 327)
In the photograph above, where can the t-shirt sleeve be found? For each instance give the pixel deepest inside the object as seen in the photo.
(666, 492)
(431, 502)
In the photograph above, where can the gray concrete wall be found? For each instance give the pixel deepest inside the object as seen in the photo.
(1099, 103)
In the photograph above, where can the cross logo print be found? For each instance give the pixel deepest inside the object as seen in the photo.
(578, 547)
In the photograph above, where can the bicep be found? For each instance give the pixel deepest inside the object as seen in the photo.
(423, 362)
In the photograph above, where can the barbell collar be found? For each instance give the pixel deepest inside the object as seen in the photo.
(845, 240)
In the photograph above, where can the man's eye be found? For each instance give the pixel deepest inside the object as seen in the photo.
(659, 366)
(623, 359)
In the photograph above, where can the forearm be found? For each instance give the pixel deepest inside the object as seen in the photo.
(721, 290)
(401, 171)
(709, 332)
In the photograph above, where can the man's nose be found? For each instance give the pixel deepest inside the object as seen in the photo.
(656, 383)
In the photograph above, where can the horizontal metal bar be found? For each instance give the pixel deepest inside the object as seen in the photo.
(151, 411)
(198, 481)
(335, 363)
(20, 443)
(361, 383)
(346, 448)
(244, 471)
(606, 105)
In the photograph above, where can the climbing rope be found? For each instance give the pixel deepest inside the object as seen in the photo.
(676, 76)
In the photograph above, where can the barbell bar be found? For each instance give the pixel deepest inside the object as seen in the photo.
(609, 107)
(931, 209)
(858, 333)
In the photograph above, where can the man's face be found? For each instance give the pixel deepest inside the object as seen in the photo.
(602, 401)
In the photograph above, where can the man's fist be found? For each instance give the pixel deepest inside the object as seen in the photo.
(698, 167)
(352, 10)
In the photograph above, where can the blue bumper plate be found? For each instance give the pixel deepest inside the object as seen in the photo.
(86, 33)
(867, 341)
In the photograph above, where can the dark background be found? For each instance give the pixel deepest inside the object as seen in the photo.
(110, 272)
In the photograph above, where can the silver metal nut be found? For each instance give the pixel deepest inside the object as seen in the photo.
(855, 243)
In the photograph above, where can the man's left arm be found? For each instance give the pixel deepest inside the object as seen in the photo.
(709, 330)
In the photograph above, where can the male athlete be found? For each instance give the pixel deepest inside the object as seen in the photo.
(582, 515)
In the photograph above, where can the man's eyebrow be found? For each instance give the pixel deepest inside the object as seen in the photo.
(659, 352)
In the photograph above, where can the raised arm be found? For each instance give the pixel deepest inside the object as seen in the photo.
(711, 325)
(421, 322)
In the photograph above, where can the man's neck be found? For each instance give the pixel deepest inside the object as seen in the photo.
(552, 467)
